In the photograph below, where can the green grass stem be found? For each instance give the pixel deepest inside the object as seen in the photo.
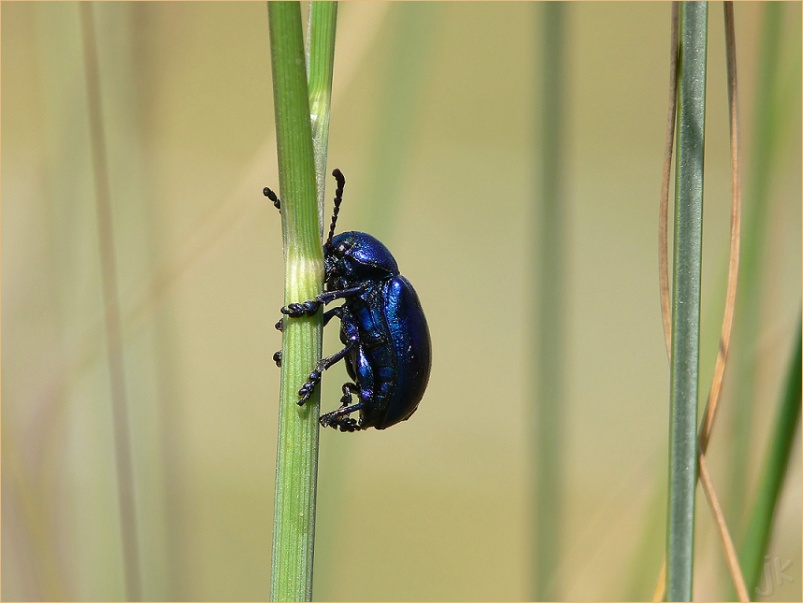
(781, 443)
(297, 457)
(549, 306)
(320, 68)
(686, 300)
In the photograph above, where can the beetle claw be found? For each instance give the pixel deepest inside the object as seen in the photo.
(273, 197)
(309, 387)
(348, 390)
(348, 425)
(297, 310)
(340, 418)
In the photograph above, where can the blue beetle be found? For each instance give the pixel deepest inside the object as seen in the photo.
(382, 326)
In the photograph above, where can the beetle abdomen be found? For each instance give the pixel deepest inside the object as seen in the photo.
(409, 334)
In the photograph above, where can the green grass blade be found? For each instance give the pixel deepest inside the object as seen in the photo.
(411, 52)
(767, 127)
(297, 457)
(781, 441)
(549, 307)
(686, 300)
(320, 65)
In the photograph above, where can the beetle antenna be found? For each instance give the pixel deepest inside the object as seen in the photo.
(341, 182)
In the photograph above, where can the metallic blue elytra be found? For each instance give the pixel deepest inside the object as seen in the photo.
(382, 326)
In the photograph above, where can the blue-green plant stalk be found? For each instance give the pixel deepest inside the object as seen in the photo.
(321, 29)
(684, 380)
(550, 302)
(781, 444)
(297, 457)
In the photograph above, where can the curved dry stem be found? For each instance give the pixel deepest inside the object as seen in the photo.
(731, 557)
(735, 236)
(711, 405)
(663, 224)
(660, 586)
(663, 221)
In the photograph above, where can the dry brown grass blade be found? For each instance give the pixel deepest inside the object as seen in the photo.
(660, 586)
(735, 235)
(663, 221)
(707, 426)
(731, 556)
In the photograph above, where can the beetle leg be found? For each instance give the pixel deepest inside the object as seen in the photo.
(339, 418)
(297, 310)
(314, 378)
(327, 316)
(309, 308)
(330, 296)
(277, 357)
(272, 196)
(348, 389)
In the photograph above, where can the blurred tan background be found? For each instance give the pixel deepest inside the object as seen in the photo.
(433, 124)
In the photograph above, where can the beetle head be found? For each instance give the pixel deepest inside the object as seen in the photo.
(354, 257)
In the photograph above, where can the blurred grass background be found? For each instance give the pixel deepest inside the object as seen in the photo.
(432, 123)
